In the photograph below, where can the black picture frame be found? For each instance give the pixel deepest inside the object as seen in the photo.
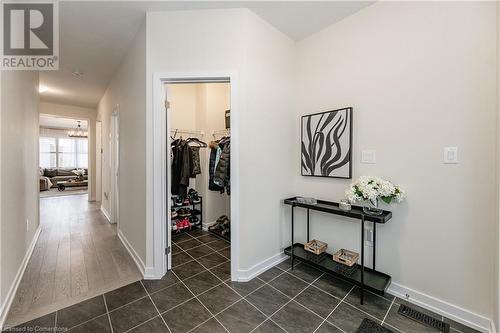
(329, 126)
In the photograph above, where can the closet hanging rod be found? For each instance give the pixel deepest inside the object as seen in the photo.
(184, 131)
(224, 132)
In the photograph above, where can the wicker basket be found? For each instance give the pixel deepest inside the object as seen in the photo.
(315, 246)
(346, 257)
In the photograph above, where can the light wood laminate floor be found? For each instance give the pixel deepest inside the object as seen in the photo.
(77, 256)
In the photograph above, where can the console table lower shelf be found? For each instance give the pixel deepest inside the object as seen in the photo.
(374, 281)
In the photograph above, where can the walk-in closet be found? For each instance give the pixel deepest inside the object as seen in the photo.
(198, 124)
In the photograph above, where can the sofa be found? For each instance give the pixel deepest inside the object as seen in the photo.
(50, 177)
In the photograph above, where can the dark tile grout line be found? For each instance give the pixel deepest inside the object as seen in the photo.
(85, 322)
(387, 313)
(342, 301)
(242, 298)
(107, 313)
(193, 237)
(206, 255)
(335, 308)
(291, 299)
(267, 283)
(202, 303)
(55, 321)
(222, 282)
(197, 246)
(156, 308)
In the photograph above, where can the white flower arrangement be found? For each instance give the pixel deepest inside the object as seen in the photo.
(374, 188)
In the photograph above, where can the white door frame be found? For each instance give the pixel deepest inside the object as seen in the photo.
(161, 159)
(98, 161)
(114, 157)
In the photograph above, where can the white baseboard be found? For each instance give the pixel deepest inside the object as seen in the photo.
(261, 267)
(4, 309)
(105, 213)
(443, 308)
(205, 226)
(138, 261)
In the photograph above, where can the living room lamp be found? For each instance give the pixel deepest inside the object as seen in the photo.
(78, 132)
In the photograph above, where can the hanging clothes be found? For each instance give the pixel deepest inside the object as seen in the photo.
(214, 146)
(177, 166)
(195, 161)
(185, 164)
(222, 167)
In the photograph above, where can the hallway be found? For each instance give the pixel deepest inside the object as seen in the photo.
(78, 255)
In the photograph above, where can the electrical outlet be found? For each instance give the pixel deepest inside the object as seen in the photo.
(369, 156)
(450, 155)
(369, 237)
(407, 296)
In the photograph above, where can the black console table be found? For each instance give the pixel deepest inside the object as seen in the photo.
(363, 277)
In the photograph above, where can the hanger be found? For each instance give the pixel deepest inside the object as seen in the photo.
(198, 141)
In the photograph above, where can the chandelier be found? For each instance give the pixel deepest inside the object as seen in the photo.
(78, 132)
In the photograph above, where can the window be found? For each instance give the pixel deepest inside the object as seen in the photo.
(48, 153)
(68, 153)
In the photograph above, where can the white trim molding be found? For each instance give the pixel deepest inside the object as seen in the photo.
(137, 259)
(4, 310)
(105, 213)
(158, 161)
(443, 308)
(246, 275)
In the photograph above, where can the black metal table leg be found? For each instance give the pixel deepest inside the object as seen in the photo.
(308, 225)
(291, 257)
(374, 243)
(362, 295)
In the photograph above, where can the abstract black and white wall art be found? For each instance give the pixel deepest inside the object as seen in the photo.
(326, 144)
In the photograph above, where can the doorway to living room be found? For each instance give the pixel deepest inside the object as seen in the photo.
(64, 156)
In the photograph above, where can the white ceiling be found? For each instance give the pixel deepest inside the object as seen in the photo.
(95, 36)
(61, 123)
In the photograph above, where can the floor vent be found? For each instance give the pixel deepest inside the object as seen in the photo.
(424, 319)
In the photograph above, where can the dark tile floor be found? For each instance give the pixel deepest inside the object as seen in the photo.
(198, 296)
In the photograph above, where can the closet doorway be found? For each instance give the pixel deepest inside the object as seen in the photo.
(198, 129)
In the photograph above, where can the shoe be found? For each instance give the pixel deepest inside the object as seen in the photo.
(186, 202)
(184, 212)
(194, 219)
(178, 201)
(193, 195)
(173, 214)
(183, 224)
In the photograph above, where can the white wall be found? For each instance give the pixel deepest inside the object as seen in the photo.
(217, 98)
(238, 41)
(76, 112)
(19, 174)
(420, 76)
(497, 233)
(128, 90)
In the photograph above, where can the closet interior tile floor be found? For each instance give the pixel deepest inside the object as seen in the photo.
(78, 256)
(198, 296)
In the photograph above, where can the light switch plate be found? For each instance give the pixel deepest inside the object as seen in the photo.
(450, 155)
(369, 156)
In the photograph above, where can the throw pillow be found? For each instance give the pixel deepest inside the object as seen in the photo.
(50, 173)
